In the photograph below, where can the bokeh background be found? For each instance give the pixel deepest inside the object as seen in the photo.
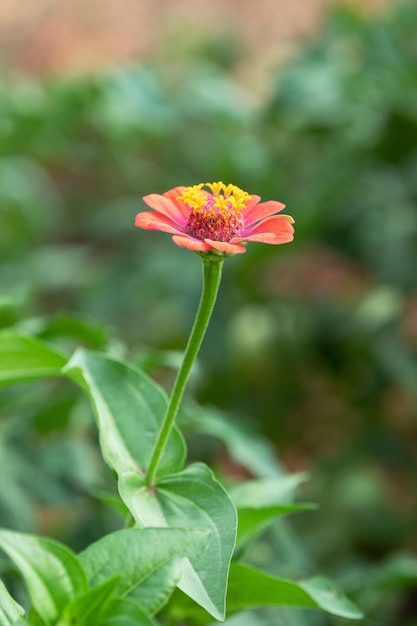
(313, 345)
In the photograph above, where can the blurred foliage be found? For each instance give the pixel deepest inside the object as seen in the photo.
(315, 342)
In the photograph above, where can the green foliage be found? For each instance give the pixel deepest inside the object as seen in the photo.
(191, 498)
(187, 521)
(10, 610)
(122, 393)
(260, 502)
(52, 573)
(89, 589)
(249, 587)
(149, 550)
(25, 358)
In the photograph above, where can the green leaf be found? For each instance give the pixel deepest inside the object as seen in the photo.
(126, 612)
(154, 592)
(129, 408)
(266, 492)
(74, 327)
(398, 571)
(136, 553)
(244, 444)
(24, 358)
(259, 502)
(10, 610)
(34, 618)
(191, 499)
(251, 588)
(52, 573)
(89, 607)
(253, 522)
(112, 501)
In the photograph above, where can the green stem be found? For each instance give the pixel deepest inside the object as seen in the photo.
(212, 272)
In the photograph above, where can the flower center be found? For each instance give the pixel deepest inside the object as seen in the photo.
(214, 214)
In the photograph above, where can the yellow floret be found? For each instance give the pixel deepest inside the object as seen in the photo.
(225, 197)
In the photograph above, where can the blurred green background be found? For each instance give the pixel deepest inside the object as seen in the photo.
(313, 345)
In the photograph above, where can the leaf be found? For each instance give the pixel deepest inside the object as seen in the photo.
(112, 501)
(126, 612)
(259, 502)
(322, 592)
(88, 607)
(398, 571)
(253, 522)
(251, 588)
(24, 358)
(266, 492)
(191, 499)
(129, 408)
(74, 327)
(52, 573)
(245, 445)
(154, 592)
(10, 610)
(136, 553)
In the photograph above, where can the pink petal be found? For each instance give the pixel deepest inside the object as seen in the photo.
(176, 211)
(184, 241)
(150, 220)
(260, 211)
(173, 194)
(276, 229)
(224, 246)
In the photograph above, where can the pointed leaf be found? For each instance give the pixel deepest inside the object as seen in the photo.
(51, 571)
(126, 612)
(260, 501)
(10, 610)
(191, 499)
(129, 408)
(88, 607)
(24, 358)
(266, 491)
(397, 571)
(253, 522)
(74, 327)
(136, 553)
(322, 592)
(251, 588)
(154, 592)
(245, 445)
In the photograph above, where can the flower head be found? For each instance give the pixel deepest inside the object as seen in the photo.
(216, 218)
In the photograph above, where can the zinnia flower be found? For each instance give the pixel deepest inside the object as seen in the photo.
(219, 221)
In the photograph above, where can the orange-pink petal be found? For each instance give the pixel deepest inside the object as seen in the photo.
(276, 229)
(185, 241)
(166, 206)
(151, 220)
(172, 194)
(224, 246)
(260, 211)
